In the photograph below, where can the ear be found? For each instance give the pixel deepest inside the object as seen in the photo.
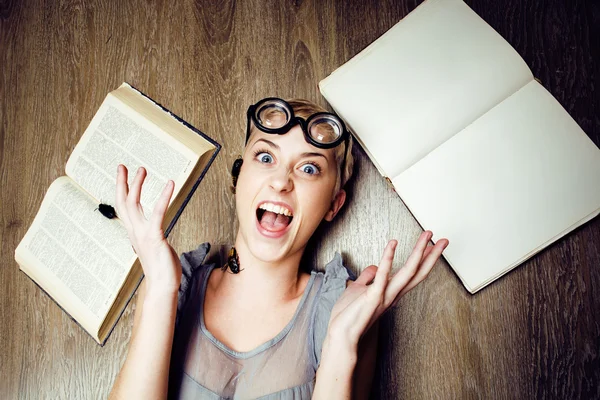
(336, 205)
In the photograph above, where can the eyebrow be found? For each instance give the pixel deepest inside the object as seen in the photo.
(267, 142)
(312, 154)
(305, 154)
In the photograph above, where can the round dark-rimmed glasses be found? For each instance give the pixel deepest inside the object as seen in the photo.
(275, 116)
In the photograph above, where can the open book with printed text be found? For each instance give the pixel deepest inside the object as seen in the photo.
(477, 149)
(83, 260)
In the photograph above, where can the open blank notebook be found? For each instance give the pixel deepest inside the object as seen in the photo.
(477, 149)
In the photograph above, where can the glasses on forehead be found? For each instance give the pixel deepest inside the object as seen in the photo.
(275, 116)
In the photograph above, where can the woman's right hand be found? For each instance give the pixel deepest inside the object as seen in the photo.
(160, 262)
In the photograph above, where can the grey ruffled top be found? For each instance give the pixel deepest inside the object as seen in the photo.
(282, 368)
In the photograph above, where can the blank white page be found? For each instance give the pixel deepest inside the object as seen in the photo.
(514, 181)
(424, 80)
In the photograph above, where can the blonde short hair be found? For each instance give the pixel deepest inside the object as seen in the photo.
(304, 109)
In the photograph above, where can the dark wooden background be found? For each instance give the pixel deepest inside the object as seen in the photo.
(535, 333)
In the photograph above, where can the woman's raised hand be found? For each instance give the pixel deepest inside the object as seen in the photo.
(160, 262)
(365, 299)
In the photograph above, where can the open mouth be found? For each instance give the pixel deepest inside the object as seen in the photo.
(273, 218)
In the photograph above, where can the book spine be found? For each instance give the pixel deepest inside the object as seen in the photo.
(123, 310)
(212, 158)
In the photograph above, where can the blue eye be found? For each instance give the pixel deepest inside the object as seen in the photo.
(310, 169)
(265, 158)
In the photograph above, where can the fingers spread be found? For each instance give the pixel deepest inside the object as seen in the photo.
(367, 275)
(160, 208)
(134, 208)
(417, 254)
(136, 186)
(406, 273)
(427, 265)
(427, 250)
(121, 193)
(385, 265)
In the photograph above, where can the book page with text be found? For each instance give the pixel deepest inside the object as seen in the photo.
(81, 258)
(424, 80)
(519, 177)
(118, 135)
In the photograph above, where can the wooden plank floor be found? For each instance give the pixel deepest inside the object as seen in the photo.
(535, 333)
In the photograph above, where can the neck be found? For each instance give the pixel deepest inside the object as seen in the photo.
(263, 280)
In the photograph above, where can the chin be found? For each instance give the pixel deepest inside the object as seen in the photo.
(267, 252)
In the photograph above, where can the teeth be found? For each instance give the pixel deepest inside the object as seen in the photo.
(276, 209)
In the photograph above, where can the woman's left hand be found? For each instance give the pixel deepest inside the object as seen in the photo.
(365, 299)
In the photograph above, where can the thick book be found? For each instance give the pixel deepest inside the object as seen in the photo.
(83, 260)
(477, 149)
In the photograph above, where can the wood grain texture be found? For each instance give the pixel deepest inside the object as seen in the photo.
(535, 333)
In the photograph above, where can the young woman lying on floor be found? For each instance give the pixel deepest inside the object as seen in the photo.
(261, 326)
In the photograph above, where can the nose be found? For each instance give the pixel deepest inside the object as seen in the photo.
(281, 181)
